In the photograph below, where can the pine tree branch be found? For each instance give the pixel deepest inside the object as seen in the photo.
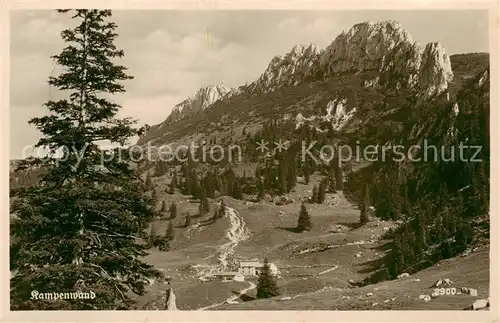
(111, 278)
(115, 234)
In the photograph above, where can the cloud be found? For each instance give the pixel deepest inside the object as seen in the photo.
(22, 134)
(37, 31)
(154, 108)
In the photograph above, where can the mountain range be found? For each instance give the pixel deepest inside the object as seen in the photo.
(383, 54)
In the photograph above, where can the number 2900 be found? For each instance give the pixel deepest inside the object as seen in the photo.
(445, 291)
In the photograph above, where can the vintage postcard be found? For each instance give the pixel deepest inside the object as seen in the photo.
(301, 161)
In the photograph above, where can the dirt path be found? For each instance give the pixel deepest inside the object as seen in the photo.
(232, 298)
(328, 270)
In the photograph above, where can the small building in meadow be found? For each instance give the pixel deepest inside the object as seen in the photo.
(230, 276)
(254, 267)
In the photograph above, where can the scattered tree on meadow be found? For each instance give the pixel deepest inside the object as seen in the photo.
(182, 184)
(282, 175)
(304, 222)
(321, 192)
(161, 168)
(218, 181)
(201, 210)
(365, 206)
(154, 195)
(191, 181)
(149, 181)
(163, 207)
(332, 178)
(204, 203)
(261, 190)
(71, 205)
(314, 197)
(291, 176)
(339, 181)
(187, 222)
(173, 210)
(157, 240)
(237, 190)
(153, 230)
(266, 285)
(173, 183)
(420, 225)
(163, 244)
(169, 235)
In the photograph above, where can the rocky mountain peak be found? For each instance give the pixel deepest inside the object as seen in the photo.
(389, 49)
(383, 46)
(388, 31)
(365, 47)
(435, 71)
(207, 95)
(201, 100)
(289, 69)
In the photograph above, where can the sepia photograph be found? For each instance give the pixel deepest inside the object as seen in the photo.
(248, 160)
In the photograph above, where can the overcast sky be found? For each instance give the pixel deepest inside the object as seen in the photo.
(167, 51)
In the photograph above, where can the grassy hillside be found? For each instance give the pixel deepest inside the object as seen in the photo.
(470, 271)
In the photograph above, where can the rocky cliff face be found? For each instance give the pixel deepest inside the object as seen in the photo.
(288, 70)
(369, 46)
(435, 70)
(201, 100)
(384, 47)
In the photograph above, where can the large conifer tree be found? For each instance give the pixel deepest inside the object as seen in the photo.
(80, 228)
(266, 285)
